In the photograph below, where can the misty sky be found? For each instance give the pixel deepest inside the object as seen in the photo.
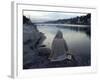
(41, 16)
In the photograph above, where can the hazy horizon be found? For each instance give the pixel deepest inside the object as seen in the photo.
(42, 16)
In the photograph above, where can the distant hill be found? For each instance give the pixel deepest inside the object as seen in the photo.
(84, 20)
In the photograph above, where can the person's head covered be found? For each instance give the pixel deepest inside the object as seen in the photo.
(59, 34)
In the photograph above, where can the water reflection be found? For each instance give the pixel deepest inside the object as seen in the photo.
(77, 40)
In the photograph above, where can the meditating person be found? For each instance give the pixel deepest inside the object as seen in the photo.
(59, 48)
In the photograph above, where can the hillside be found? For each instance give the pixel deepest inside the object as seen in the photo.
(83, 20)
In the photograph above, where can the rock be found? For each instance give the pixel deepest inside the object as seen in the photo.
(43, 51)
(32, 39)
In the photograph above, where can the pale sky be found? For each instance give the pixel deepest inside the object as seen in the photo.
(41, 16)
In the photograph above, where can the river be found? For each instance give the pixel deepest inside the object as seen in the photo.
(79, 43)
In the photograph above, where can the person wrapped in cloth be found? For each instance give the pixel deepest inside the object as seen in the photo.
(59, 49)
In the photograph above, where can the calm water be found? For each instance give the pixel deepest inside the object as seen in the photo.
(78, 42)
